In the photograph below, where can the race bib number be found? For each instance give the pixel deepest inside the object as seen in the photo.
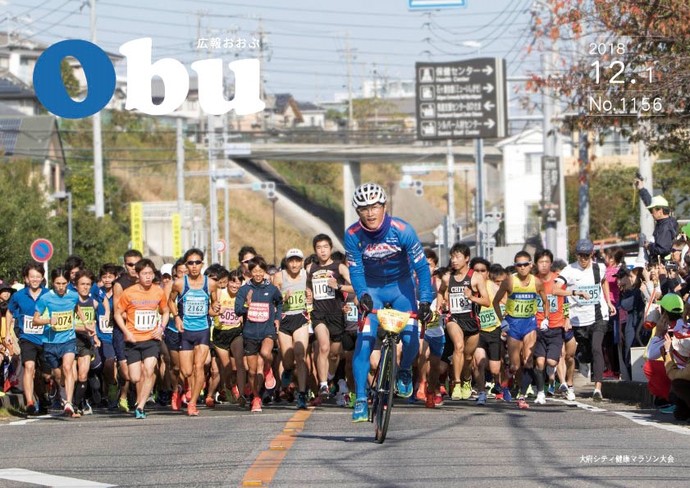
(296, 301)
(321, 289)
(30, 328)
(195, 307)
(259, 312)
(228, 319)
(594, 292)
(65, 321)
(352, 313)
(487, 318)
(146, 320)
(553, 303)
(524, 308)
(459, 303)
(104, 325)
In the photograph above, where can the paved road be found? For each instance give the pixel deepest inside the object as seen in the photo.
(460, 444)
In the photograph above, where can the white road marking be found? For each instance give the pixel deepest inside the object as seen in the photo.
(584, 406)
(647, 421)
(43, 479)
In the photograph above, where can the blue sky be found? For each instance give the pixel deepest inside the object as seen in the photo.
(306, 40)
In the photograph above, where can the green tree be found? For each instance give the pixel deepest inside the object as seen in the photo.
(68, 79)
(24, 211)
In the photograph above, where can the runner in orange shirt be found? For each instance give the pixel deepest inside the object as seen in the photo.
(146, 309)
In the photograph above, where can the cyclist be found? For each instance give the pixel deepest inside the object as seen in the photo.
(382, 252)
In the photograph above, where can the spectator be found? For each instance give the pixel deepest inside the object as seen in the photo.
(665, 226)
(613, 257)
(631, 306)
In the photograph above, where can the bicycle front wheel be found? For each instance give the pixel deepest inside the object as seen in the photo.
(386, 391)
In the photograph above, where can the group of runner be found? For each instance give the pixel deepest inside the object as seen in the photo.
(230, 334)
(201, 335)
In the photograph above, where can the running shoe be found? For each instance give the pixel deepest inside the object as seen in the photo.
(235, 393)
(256, 405)
(31, 409)
(667, 409)
(429, 401)
(541, 398)
(571, 394)
(269, 379)
(562, 390)
(340, 399)
(443, 391)
(241, 401)
(315, 402)
(151, 400)
(507, 396)
(404, 383)
(175, 401)
(499, 396)
(438, 400)
(466, 390)
(596, 396)
(421, 391)
(69, 409)
(301, 401)
(481, 398)
(361, 412)
(351, 398)
(192, 411)
(530, 392)
(522, 403)
(139, 413)
(457, 392)
(87, 410)
(123, 405)
(551, 391)
(210, 402)
(324, 391)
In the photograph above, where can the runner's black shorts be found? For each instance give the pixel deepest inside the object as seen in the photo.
(468, 325)
(223, 339)
(33, 352)
(335, 323)
(139, 351)
(290, 323)
(491, 343)
(253, 346)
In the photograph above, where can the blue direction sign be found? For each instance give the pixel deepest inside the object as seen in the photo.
(41, 250)
(461, 99)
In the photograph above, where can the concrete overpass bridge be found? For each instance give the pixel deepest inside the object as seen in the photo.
(352, 149)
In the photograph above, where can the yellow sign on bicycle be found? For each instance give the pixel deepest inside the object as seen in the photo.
(393, 320)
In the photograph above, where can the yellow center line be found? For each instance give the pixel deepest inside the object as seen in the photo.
(266, 464)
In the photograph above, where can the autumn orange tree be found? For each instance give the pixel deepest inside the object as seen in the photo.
(620, 51)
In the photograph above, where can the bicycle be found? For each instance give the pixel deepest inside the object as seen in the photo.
(382, 388)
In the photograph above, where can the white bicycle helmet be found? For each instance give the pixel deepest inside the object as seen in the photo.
(368, 194)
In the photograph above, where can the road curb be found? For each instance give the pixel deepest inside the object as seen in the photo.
(628, 392)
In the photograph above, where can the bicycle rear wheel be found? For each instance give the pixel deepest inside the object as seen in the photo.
(386, 391)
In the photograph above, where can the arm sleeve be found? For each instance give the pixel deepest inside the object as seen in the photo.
(40, 305)
(645, 196)
(239, 301)
(417, 259)
(278, 300)
(13, 307)
(355, 263)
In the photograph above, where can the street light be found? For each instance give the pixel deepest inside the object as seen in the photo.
(273, 199)
(62, 195)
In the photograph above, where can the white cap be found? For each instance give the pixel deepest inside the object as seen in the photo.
(167, 269)
(294, 253)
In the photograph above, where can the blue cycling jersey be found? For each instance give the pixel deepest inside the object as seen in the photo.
(386, 255)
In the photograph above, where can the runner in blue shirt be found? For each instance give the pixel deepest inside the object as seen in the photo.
(55, 310)
(382, 253)
(21, 308)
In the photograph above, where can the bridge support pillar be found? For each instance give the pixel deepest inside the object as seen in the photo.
(351, 180)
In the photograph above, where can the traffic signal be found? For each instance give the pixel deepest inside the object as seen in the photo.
(418, 186)
(269, 188)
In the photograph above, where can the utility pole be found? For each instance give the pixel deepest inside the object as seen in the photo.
(99, 199)
(645, 169)
(348, 60)
(450, 174)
